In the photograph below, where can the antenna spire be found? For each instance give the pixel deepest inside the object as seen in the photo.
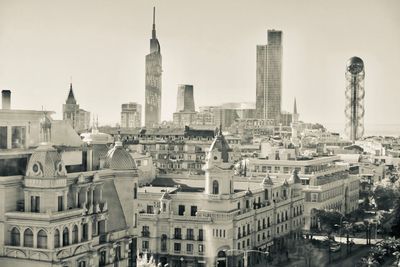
(154, 23)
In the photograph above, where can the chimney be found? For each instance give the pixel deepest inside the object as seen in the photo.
(6, 99)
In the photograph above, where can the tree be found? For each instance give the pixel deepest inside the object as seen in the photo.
(384, 197)
(396, 220)
(329, 219)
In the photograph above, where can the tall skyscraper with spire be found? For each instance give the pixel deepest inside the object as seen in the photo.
(269, 78)
(153, 80)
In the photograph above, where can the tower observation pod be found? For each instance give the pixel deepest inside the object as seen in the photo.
(354, 104)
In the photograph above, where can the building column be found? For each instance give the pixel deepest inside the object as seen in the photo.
(70, 235)
(80, 233)
(65, 204)
(76, 200)
(50, 240)
(35, 232)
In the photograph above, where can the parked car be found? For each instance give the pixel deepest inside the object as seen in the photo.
(335, 247)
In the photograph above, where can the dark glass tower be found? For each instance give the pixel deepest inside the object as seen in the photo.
(153, 81)
(269, 78)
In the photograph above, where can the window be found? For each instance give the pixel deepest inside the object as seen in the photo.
(103, 258)
(238, 205)
(215, 188)
(42, 239)
(178, 233)
(18, 134)
(85, 232)
(75, 235)
(189, 248)
(164, 243)
(247, 204)
(201, 248)
(35, 204)
(15, 237)
(193, 210)
(56, 238)
(3, 137)
(60, 201)
(181, 210)
(135, 192)
(150, 209)
(238, 245)
(189, 234)
(239, 235)
(117, 253)
(65, 237)
(82, 264)
(177, 247)
(145, 231)
(201, 238)
(28, 238)
(145, 245)
(314, 197)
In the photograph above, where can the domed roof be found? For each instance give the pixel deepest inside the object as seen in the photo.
(294, 178)
(355, 65)
(118, 158)
(267, 181)
(45, 162)
(166, 196)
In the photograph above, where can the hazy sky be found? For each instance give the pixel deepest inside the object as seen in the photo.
(211, 44)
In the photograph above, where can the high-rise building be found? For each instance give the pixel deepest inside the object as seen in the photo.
(153, 81)
(185, 114)
(131, 115)
(354, 107)
(269, 77)
(79, 118)
(185, 99)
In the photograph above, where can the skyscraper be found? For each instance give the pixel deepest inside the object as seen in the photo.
(153, 81)
(269, 78)
(131, 115)
(185, 99)
(354, 107)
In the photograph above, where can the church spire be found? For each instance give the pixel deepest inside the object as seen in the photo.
(295, 107)
(71, 97)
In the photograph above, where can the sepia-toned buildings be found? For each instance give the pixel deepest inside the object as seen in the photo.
(212, 219)
(77, 117)
(153, 81)
(53, 212)
(131, 115)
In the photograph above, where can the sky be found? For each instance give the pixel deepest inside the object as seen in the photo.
(211, 44)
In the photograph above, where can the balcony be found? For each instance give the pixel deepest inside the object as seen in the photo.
(177, 236)
(145, 233)
(44, 216)
(190, 237)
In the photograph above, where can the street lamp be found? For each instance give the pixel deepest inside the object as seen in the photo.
(245, 252)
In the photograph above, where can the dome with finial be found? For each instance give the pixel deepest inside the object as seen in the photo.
(118, 158)
(45, 122)
(267, 181)
(46, 162)
(166, 196)
(294, 178)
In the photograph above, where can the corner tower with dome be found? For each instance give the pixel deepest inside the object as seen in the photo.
(210, 220)
(52, 217)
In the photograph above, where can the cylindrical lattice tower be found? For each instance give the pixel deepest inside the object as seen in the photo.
(354, 107)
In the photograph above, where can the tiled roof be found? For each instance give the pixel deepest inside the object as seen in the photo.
(119, 159)
(45, 161)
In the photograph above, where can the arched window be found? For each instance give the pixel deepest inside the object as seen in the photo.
(65, 237)
(266, 194)
(75, 234)
(215, 188)
(56, 238)
(42, 239)
(28, 238)
(164, 242)
(15, 237)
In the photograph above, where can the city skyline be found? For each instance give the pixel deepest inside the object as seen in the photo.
(105, 67)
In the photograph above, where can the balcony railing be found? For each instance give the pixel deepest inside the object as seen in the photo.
(177, 236)
(146, 233)
(190, 237)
